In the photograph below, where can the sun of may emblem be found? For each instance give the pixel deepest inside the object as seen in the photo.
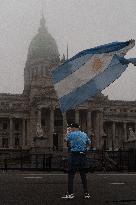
(97, 64)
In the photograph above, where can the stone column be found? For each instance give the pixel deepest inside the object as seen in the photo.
(135, 127)
(11, 133)
(113, 136)
(89, 122)
(28, 136)
(23, 135)
(125, 131)
(77, 116)
(51, 127)
(64, 130)
(39, 117)
(102, 134)
(97, 130)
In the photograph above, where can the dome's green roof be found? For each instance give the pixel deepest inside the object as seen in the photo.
(43, 45)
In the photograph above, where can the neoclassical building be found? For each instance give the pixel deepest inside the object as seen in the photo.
(33, 119)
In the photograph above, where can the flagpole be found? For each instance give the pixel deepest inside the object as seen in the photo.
(43, 7)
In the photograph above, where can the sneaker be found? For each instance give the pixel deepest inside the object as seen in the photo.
(87, 196)
(68, 196)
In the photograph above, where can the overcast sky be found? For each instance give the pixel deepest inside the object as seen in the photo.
(80, 23)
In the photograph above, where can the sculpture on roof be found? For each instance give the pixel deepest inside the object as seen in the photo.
(39, 130)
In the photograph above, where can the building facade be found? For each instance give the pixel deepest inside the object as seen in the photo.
(33, 119)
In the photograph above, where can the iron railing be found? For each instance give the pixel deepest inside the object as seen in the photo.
(96, 161)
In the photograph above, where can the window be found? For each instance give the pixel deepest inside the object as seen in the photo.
(5, 125)
(113, 110)
(16, 141)
(58, 119)
(16, 125)
(5, 142)
(58, 123)
(43, 122)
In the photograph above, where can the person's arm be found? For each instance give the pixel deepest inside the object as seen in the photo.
(88, 142)
(67, 139)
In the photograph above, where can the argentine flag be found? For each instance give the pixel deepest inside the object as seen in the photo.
(90, 71)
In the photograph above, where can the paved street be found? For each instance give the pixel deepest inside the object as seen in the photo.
(41, 188)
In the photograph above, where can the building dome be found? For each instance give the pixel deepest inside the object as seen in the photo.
(43, 45)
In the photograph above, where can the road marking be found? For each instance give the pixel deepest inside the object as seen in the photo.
(117, 183)
(33, 177)
(43, 174)
(116, 174)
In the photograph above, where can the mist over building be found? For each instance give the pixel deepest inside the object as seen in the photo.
(33, 119)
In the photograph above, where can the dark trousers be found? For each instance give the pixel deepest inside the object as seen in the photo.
(76, 163)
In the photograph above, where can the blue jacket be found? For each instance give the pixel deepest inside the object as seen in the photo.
(78, 141)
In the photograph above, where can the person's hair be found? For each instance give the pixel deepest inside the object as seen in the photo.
(74, 125)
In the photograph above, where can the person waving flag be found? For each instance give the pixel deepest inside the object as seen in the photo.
(90, 71)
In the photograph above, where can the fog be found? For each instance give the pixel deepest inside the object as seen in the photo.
(81, 24)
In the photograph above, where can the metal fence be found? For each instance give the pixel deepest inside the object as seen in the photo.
(125, 160)
(30, 162)
(96, 161)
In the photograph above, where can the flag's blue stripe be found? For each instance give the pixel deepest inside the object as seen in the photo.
(93, 86)
(82, 57)
(126, 61)
(106, 48)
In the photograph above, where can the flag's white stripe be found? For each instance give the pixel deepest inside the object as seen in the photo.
(88, 90)
(84, 74)
(69, 67)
